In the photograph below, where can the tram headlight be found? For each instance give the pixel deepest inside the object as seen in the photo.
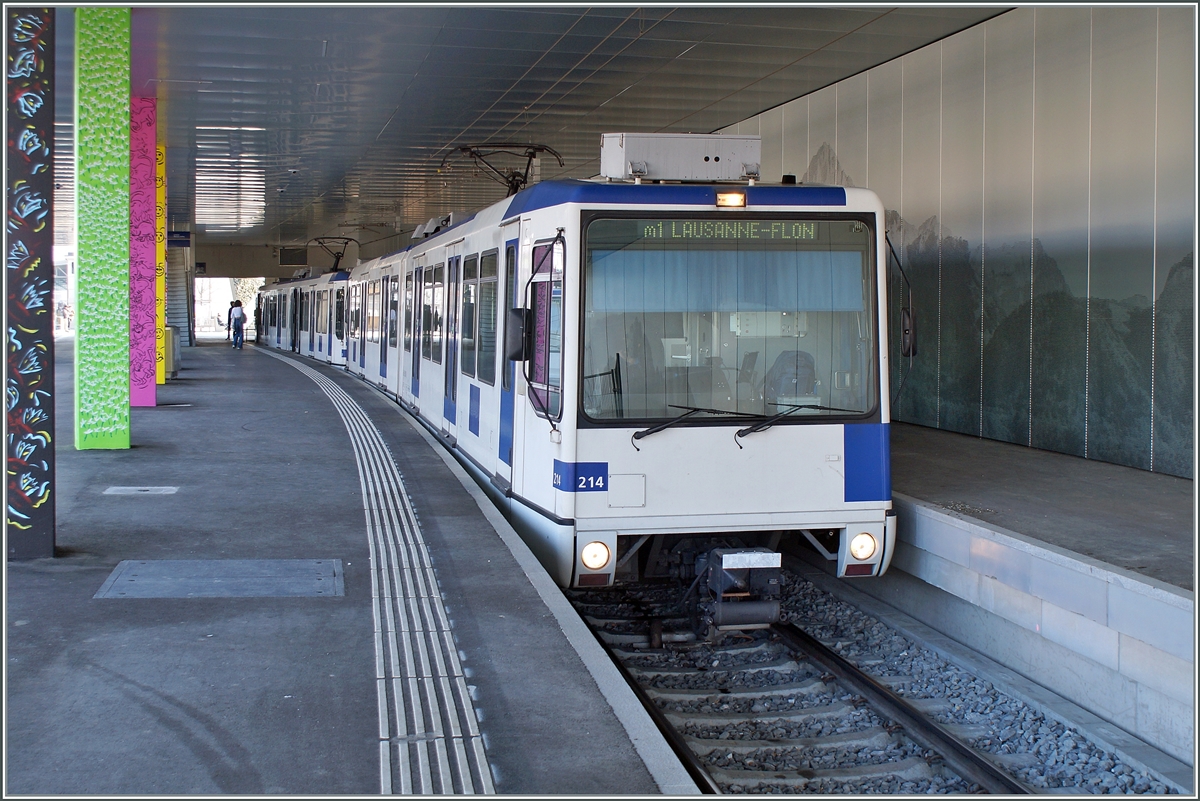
(862, 546)
(594, 555)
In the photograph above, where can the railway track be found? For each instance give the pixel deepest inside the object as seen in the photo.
(775, 710)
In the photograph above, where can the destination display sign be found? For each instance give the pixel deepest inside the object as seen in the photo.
(729, 230)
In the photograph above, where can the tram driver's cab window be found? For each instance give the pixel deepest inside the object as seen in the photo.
(750, 316)
(544, 370)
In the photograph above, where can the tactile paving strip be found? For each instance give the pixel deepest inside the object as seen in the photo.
(429, 737)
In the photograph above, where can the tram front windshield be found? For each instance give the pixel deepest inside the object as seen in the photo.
(730, 316)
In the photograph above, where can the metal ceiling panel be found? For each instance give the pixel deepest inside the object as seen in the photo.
(351, 110)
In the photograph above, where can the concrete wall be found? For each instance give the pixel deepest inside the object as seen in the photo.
(1039, 175)
(1115, 643)
(244, 261)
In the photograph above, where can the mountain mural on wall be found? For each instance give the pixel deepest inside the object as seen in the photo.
(1092, 374)
(824, 168)
(1174, 371)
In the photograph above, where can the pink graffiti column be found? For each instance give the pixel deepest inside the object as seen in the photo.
(142, 133)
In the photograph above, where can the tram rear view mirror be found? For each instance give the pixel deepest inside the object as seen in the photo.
(516, 335)
(908, 333)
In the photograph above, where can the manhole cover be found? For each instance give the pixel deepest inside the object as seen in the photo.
(224, 578)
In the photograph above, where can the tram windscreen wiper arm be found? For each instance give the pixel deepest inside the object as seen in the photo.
(762, 425)
(690, 411)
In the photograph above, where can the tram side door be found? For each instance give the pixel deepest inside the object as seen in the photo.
(419, 311)
(508, 369)
(337, 312)
(384, 294)
(294, 344)
(312, 325)
(450, 401)
(360, 321)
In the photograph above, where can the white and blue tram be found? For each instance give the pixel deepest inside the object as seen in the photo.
(306, 315)
(629, 367)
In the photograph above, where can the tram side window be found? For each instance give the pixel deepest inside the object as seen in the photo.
(426, 316)
(545, 365)
(360, 297)
(363, 321)
(303, 311)
(408, 311)
(352, 312)
(372, 312)
(339, 315)
(437, 301)
(393, 314)
(321, 311)
(469, 289)
(510, 275)
(376, 311)
(488, 290)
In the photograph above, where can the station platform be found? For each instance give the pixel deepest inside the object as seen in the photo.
(223, 617)
(1132, 519)
(1074, 577)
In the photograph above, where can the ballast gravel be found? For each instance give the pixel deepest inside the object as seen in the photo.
(1041, 752)
(767, 729)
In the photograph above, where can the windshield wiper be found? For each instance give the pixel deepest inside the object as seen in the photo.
(691, 410)
(766, 423)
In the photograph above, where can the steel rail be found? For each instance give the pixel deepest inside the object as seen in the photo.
(968, 762)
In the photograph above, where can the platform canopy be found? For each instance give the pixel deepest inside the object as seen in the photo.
(286, 123)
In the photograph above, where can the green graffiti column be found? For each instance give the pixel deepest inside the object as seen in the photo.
(102, 223)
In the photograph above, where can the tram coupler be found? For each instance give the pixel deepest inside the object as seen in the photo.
(742, 586)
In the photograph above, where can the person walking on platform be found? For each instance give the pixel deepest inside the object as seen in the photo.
(228, 319)
(237, 316)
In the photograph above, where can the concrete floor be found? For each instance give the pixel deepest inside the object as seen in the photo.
(1134, 519)
(268, 695)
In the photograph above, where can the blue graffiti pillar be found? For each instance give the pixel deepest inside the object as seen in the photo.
(29, 386)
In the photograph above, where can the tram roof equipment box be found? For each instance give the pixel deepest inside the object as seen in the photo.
(679, 157)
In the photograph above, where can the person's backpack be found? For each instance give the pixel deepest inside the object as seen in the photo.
(793, 374)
